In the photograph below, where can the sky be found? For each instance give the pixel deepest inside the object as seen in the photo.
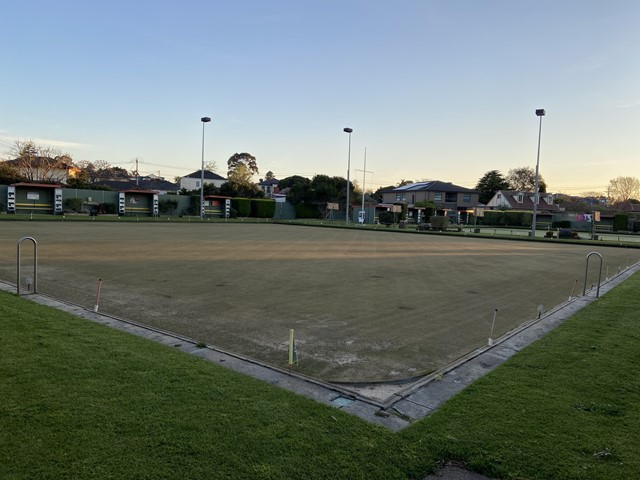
(440, 90)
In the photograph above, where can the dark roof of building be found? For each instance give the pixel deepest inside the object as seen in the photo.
(155, 184)
(207, 175)
(269, 181)
(527, 200)
(121, 185)
(431, 185)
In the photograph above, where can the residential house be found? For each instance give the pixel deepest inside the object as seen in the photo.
(269, 186)
(512, 200)
(44, 169)
(451, 200)
(192, 181)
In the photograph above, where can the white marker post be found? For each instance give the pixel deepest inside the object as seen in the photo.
(573, 290)
(95, 309)
(493, 324)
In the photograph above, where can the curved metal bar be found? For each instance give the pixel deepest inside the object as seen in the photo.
(586, 271)
(35, 264)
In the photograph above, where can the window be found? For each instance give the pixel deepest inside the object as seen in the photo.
(197, 183)
(520, 198)
(398, 197)
(437, 196)
(466, 197)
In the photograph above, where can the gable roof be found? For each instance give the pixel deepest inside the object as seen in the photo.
(208, 175)
(510, 196)
(432, 185)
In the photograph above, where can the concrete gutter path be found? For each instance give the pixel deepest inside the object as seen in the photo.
(398, 406)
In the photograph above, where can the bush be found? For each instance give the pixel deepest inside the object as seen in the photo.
(561, 224)
(167, 205)
(568, 233)
(620, 221)
(386, 218)
(304, 210)
(108, 208)
(507, 218)
(439, 223)
(73, 205)
(242, 206)
(263, 208)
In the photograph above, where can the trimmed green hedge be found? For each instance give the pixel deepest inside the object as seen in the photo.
(242, 206)
(263, 208)
(507, 218)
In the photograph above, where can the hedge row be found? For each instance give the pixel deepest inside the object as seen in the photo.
(507, 218)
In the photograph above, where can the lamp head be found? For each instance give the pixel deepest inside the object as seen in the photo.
(347, 129)
(205, 119)
(540, 112)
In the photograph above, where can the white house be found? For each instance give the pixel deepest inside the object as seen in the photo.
(192, 181)
(505, 199)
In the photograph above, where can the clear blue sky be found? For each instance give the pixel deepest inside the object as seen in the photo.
(442, 90)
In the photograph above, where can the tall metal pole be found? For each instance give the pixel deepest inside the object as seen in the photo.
(348, 130)
(203, 120)
(364, 176)
(540, 113)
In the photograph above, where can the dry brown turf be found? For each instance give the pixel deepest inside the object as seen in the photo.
(365, 305)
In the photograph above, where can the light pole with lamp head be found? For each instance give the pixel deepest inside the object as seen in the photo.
(203, 120)
(349, 131)
(540, 113)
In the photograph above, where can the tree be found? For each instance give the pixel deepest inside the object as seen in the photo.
(623, 189)
(489, 184)
(39, 162)
(245, 159)
(240, 183)
(9, 174)
(269, 175)
(298, 188)
(211, 166)
(523, 179)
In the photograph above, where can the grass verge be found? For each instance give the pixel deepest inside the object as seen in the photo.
(79, 400)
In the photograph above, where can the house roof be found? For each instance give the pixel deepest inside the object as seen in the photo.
(269, 181)
(208, 175)
(527, 200)
(432, 185)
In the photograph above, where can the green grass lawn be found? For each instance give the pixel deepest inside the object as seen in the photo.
(78, 400)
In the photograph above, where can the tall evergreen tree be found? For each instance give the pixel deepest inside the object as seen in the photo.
(489, 184)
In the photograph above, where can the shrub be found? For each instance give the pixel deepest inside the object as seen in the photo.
(73, 205)
(507, 218)
(242, 206)
(621, 221)
(386, 218)
(304, 210)
(561, 224)
(108, 208)
(167, 205)
(263, 208)
(567, 233)
(439, 223)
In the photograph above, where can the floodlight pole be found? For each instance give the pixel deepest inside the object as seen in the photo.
(540, 113)
(203, 120)
(349, 131)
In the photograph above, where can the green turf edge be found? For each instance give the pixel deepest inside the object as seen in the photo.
(567, 407)
(79, 400)
(82, 401)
